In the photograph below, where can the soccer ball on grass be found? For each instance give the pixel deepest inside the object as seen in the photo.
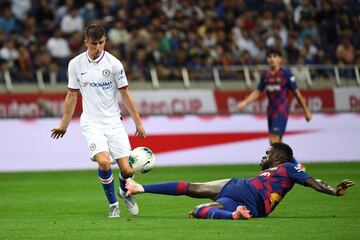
(142, 159)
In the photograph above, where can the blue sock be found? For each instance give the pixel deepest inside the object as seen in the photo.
(169, 188)
(213, 213)
(294, 161)
(122, 182)
(107, 181)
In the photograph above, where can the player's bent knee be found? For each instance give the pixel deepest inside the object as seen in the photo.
(104, 164)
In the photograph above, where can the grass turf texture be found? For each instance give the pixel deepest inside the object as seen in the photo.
(72, 205)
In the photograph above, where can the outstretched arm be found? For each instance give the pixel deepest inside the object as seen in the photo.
(321, 186)
(69, 108)
(254, 95)
(302, 103)
(130, 105)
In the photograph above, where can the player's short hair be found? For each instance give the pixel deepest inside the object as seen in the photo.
(94, 32)
(273, 51)
(285, 152)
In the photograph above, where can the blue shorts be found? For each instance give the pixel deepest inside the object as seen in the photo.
(277, 125)
(238, 192)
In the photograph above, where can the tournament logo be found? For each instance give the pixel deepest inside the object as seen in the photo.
(106, 72)
(92, 147)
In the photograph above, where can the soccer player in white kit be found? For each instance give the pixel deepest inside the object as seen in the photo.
(98, 76)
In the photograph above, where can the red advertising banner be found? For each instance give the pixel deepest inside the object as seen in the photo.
(33, 105)
(166, 102)
(317, 101)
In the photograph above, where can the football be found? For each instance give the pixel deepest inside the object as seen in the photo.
(142, 159)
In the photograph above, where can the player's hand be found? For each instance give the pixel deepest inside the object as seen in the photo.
(342, 186)
(308, 115)
(241, 106)
(140, 132)
(58, 132)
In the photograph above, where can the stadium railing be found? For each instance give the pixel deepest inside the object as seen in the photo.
(220, 77)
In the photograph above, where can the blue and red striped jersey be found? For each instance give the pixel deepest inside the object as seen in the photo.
(273, 183)
(277, 87)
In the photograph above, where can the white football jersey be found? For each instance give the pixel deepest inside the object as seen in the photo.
(98, 81)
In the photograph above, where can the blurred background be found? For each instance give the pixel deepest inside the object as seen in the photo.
(188, 62)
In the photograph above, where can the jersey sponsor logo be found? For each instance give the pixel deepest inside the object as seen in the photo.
(103, 85)
(292, 79)
(272, 88)
(264, 174)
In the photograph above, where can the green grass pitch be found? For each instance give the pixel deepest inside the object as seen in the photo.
(72, 205)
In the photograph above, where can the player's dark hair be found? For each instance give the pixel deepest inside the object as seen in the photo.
(273, 51)
(283, 150)
(94, 32)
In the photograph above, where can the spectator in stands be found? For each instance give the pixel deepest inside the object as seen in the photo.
(60, 52)
(345, 51)
(309, 49)
(119, 36)
(72, 22)
(88, 13)
(230, 27)
(304, 11)
(292, 49)
(45, 17)
(24, 66)
(20, 8)
(9, 52)
(7, 21)
(58, 46)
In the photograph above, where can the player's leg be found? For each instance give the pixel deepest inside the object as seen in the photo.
(119, 146)
(277, 127)
(107, 181)
(97, 144)
(208, 189)
(195, 190)
(228, 205)
(216, 210)
(126, 172)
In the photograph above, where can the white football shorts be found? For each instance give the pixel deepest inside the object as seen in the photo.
(113, 139)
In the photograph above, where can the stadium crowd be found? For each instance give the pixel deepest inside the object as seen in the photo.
(168, 34)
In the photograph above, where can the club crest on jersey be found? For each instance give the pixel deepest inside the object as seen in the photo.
(92, 147)
(106, 72)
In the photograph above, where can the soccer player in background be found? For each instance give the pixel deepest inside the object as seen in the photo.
(277, 81)
(99, 76)
(243, 198)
